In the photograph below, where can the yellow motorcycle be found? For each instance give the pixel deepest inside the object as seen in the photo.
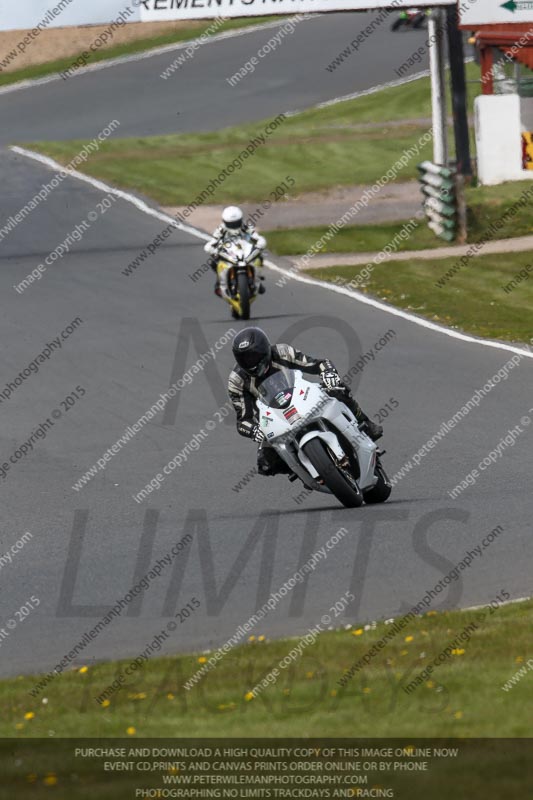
(238, 268)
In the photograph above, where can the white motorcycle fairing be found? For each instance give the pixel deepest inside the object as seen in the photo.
(307, 412)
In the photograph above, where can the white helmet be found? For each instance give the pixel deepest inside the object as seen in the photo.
(232, 218)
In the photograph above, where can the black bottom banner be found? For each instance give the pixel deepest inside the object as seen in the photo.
(120, 769)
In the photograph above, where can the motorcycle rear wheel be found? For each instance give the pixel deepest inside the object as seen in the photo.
(381, 490)
(346, 493)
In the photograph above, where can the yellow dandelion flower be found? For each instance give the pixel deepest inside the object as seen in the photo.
(251, 638)
(430, 684)
(357, 632)
(333, 693)
(249, 696)
(519, 659)
(131, 731)
(458, 714)
(170, 696)
(202, 660)
(261, 638)
(83, 670)
(458, 651)
(29, 715)
(431, 614)
(309, 675)
(409, 638)
(50, 779)
(106, 703)
(367, 690)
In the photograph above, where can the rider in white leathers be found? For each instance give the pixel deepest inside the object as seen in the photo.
(232, 224)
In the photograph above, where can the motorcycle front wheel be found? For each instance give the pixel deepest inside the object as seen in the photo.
(346, 491)
(244, 294)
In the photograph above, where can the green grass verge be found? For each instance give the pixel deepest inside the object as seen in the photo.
(463, 698)
(473, 300)
(353, 142)
(352, 239)
(486, 205)
(173, 170)
(126, 49)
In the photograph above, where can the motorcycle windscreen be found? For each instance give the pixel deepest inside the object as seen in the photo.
(276, 390)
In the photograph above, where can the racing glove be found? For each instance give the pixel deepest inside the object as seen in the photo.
(331, 378)
(258, 435)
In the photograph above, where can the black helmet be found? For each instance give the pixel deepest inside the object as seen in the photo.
(253, 351)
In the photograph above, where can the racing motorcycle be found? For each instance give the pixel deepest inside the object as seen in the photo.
(319, 438)
(410, 18)
(239, 260)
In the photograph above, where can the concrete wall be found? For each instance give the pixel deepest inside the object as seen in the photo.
(499, 139)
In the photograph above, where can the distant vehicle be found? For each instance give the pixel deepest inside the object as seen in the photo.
(237, 267)
(410, 18)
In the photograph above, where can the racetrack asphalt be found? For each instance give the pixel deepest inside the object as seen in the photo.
(198, 97)
(89, 547)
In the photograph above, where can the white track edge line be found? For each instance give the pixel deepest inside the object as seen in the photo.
(365, 620)
(371, 90)
(483, 605)
(361, 298)
(398, 312)
(129, 198)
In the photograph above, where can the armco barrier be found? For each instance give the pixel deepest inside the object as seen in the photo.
(440, 200)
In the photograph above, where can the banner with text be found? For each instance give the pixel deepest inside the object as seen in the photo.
(152, 10)
(42, 14)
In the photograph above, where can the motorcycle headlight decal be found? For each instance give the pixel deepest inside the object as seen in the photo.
(283, 398)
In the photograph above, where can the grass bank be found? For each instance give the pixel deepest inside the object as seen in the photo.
(474, 298)
(487, 205)
(353, 142)
(462, 698)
